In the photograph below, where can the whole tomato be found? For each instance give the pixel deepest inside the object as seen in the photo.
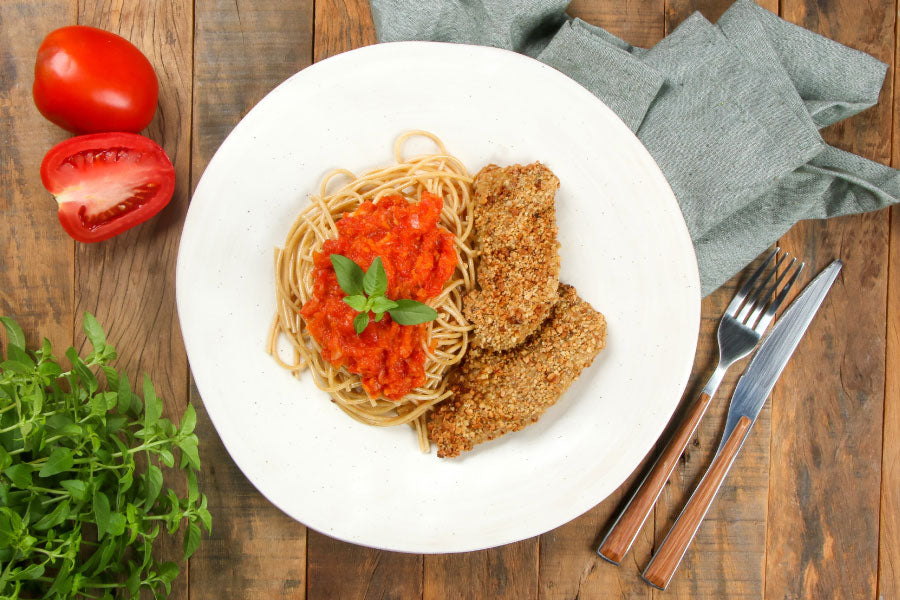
(89, 80)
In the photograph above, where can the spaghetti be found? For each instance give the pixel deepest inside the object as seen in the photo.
(446, 339)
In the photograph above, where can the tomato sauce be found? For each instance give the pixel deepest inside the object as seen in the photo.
(418, 257)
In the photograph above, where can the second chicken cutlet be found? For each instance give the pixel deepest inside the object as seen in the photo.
(495, 393)
(518, 265)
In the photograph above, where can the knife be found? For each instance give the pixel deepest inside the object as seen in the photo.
(749, 396)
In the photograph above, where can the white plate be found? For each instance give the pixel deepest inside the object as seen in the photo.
(624, 246)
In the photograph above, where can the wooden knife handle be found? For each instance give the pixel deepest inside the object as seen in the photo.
(625, 529)
(667, 558)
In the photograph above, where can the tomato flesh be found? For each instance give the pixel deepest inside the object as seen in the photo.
(418, 257)
(107, 183)
(90, 80)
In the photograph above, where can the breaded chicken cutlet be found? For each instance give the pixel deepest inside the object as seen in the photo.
(495, 393)
(518, 265)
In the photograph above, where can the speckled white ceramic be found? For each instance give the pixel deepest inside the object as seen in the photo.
(624, 246)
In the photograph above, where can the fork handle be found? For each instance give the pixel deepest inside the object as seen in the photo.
(667, 558)
(629, 522)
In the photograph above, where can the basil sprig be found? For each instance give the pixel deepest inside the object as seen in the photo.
(365, 292)
(83, 501)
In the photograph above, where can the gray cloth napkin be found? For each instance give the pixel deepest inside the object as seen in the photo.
(730, 112)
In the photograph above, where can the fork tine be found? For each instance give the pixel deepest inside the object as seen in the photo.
(756, 298)
(745, 289)
(770, 293)
(770, 312)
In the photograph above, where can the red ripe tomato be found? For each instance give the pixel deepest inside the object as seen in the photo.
(88, 80)
(106, 183)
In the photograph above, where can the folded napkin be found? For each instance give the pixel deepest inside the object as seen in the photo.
(730, 112)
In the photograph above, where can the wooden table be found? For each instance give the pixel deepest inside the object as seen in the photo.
(812, 508)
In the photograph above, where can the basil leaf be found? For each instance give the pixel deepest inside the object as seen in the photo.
(60, 460)
(94, 332)
(123, 394)
(357, 303)
(152, 404)
(153, 481)
(188, 420)
(349, 274)
(375, 280)
(54, 518)
(19, 474)
(381, 304)
(189, 454)
(410, 312)
(379, 317)
(76, 488)
(13, 332)
(101, 512)
(360, 322)
(191, 540)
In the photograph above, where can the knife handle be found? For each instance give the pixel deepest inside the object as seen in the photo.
(629, 522)
(668, 556)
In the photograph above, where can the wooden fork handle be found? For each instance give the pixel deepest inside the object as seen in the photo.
(667, 558)
(629, 522)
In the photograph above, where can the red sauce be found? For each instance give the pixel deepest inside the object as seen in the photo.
(418, 257)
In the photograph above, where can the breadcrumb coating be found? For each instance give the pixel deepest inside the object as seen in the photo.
(518, 265)
(495, 393)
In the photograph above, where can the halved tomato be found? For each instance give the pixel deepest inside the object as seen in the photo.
(106, 183)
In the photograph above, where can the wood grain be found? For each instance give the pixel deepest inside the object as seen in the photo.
(667, 558)
(889, 539)
(889, 534)
(36, 255)
(828, 404)
(619, 539)
(336, 569)
(638, 22)
(342, 25)
(242, 50)
(506, 573)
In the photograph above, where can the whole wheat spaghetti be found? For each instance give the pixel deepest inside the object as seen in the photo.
(447, 337)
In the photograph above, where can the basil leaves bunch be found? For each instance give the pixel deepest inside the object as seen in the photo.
(82, 496)
(365, 292)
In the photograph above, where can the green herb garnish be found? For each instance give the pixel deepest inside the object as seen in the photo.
(82, 497)
(365, 293)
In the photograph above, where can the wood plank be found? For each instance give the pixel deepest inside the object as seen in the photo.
(36, 286)
(128, 282)
(336, 569)
(342, 25)
(569, 565)
(889, 534)
(509, 571)
(241, 51)
(828, 405)
(727, 557)
(641, 23)
(889, 544)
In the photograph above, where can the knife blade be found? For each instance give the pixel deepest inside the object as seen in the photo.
(755, 385)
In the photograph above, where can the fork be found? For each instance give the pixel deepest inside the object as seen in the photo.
(745, 320)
